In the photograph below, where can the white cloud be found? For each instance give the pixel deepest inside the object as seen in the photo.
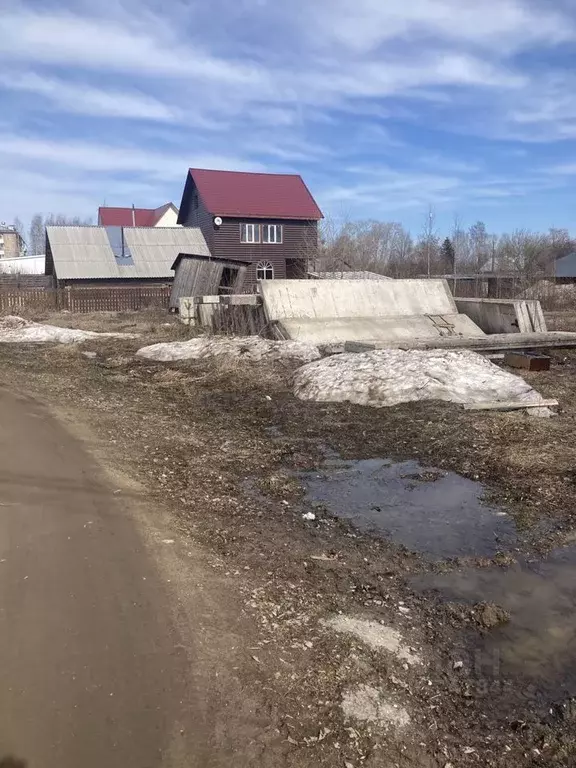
(364, 25)
(114, 159)
(101, 44)
(82, 98)
(563, 169)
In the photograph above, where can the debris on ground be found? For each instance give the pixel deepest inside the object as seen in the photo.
(367, 704)
(377, 636)
(250, 348)
(14, 329)
(490, 615)
(391, 376)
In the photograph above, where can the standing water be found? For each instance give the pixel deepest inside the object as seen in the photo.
(437, 513)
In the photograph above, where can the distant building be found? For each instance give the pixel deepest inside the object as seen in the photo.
(165, 216)
(565, 268)
(23, 265)
(101, 256)
(267, 219)
(11, 243)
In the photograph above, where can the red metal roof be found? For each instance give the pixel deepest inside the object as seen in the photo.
(131, 217)
(255, 195)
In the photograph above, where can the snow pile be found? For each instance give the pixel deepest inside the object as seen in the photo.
(250, 348)
(16, 329)
(391, 376)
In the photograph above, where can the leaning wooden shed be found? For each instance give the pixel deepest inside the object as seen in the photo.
(205, 276)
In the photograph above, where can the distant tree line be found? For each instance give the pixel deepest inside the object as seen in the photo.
(390, 249)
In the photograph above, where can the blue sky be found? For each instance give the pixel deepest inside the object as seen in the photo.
(384, 106)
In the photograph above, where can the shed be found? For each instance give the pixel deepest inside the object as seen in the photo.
(118, 255)
(198, 275)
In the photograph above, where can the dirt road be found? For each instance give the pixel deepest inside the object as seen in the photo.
(93, 670)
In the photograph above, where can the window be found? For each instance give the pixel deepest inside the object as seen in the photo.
(195, 200)
(264, 271)
(272, 233)
(250, 233)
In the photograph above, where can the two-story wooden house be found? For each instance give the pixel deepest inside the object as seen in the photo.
(269, 220)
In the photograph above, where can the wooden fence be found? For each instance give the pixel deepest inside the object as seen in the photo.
(86, 299)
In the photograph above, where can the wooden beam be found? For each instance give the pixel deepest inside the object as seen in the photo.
(509, 405)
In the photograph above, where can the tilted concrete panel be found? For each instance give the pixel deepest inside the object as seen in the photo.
(326, 299)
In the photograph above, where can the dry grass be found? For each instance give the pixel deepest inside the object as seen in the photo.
(561, 321)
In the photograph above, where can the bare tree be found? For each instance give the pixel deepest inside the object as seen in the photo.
(36, 242)
(429, 238)
(60, 219)
(374, 246)
(479, 248)
(427, 248)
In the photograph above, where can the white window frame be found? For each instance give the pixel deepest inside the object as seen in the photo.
(250, 233)
(265, 266)
(272, 234)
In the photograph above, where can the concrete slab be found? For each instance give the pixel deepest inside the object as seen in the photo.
(327, 299)
(504, 315)
(391, 329)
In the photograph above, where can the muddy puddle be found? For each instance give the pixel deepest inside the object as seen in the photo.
(437, 513)
(535, 650)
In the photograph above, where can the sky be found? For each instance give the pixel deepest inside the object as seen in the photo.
(385, 107)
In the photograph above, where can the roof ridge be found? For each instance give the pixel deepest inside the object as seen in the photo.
(249, 173)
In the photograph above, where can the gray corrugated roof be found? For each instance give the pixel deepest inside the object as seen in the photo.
(82, 253)
(566, 266)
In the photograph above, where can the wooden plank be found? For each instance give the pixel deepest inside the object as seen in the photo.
(509, 405)
(491, 343)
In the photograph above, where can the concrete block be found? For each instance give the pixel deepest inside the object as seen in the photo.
(187, 311)
(240, 299)
(526, 361)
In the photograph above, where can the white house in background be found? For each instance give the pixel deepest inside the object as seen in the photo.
(23, 265)
(11, 242)
(165, 216)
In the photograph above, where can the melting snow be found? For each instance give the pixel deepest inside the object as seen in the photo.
(391, 376)
(250, 348)
(15, 329)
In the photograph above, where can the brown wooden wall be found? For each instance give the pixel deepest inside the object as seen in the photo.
(299, 239)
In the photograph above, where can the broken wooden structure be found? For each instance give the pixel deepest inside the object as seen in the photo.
(237, 315)
(205, 276)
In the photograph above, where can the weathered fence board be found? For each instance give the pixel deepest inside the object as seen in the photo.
(86, 299)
